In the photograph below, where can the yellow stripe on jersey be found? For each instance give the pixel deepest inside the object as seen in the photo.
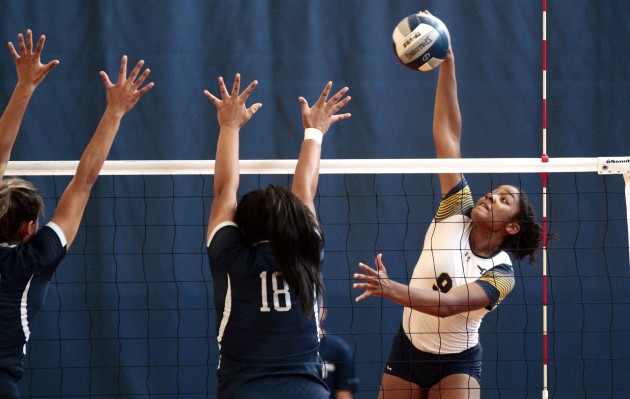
(501, 279)
(457, 203)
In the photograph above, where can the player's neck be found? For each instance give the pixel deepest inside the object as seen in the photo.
(484, 245)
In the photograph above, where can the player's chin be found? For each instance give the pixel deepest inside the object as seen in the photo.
(477, 212)
(480, 214)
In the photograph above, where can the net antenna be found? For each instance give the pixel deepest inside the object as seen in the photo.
(544, 178)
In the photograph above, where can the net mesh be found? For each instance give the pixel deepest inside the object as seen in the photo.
(130, 312)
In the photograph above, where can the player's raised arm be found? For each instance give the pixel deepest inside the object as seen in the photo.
(447, 121)
(121, 98)
(31, 72)
(317, 120)
(232, 115)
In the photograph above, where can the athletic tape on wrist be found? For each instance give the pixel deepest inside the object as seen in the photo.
(311, 133)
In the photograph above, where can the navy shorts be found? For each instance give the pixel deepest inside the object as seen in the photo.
(245, 379)
(8, 386)
(274, 387)
(427, 369)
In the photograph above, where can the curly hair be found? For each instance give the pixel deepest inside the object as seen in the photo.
(529, 239)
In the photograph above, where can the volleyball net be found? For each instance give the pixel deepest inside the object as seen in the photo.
(130, 312)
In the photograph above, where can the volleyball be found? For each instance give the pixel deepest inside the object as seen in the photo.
(421, 42)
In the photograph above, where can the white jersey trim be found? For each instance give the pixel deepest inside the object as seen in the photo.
(227, 309)
(24, 313)
(59, 232)
(217, 227)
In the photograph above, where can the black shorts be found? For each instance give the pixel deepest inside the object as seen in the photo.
(427, 369)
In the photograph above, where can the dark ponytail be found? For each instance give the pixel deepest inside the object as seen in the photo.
(277, 215)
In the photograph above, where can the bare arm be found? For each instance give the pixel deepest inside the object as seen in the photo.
(465, 298)
(447, 121)
(121, 98)
(320, 117)
(232, 115)
(30, 73)
(344, 395)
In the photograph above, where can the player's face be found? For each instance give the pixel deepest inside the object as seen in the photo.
(499, 206)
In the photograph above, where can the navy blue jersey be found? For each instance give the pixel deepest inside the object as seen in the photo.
(339, 371)
(25, 273)
(261, 330)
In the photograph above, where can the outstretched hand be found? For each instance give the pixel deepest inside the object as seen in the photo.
(123, 96)
(375, 282)
(231, 109)
(30, 70)
(324, 111)
(450, 50)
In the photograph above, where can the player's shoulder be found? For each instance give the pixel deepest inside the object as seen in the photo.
(458, 201)
(224, 231)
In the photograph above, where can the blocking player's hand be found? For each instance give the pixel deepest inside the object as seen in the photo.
(30, 70)
(231, 108)
(324, 112)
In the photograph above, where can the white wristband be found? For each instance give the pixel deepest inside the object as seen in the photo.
(311, 133)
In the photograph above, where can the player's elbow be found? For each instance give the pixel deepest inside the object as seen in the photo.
(225, 188)
(447, 311)
(455, 309)
(441, 311)
(83, 182)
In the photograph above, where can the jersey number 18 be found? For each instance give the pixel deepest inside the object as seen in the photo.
(280, 288)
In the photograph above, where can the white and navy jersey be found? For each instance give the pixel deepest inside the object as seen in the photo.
(261, 329)
(446, 262)
(25, 273)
